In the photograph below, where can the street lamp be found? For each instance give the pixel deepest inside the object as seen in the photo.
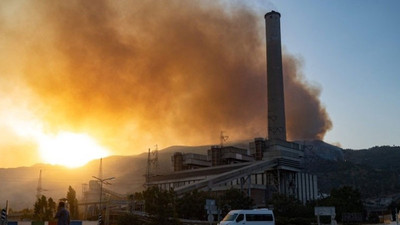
(102, 181)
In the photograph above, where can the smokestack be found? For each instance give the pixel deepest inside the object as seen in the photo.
(276, 101)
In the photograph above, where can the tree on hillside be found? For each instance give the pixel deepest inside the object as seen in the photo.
(73, 203)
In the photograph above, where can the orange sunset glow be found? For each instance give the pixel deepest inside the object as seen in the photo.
(69, 149)
(82, 79)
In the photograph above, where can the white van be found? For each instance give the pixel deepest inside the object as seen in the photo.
(249, 217)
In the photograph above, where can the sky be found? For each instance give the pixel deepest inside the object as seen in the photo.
(116, 78)
(350, 49)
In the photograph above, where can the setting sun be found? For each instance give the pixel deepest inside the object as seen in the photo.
(70, 149)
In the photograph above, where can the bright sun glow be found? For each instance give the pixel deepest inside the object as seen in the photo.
(70, 149)
(64, 148)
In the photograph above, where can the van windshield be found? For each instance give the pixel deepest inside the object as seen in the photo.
(230, 217)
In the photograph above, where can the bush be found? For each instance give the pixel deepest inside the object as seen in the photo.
(128, 219)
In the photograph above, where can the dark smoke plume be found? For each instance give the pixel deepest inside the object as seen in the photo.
(307, 119)
(140, 73)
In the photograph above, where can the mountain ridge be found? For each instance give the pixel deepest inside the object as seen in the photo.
(19, 184)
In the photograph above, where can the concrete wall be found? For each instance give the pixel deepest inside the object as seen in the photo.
(307, 187)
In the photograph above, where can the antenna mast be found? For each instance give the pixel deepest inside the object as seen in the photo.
(148, 167)
(152, 163)
(101, 169)
(223, 138)
(39, 188)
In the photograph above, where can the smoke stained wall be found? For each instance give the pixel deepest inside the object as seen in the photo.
(138, 73)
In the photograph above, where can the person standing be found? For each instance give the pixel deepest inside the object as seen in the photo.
(62, 214)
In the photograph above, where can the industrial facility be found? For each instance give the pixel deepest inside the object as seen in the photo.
(269, 165)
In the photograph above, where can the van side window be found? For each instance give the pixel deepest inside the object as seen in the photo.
(240, 218)
(259, 217)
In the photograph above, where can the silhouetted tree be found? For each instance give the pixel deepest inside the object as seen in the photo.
(27, 214)
(51, 209)
(129, 219)
(73, 203)
(191, 205)
(345, 199)
(234, 199)
(44, 209)
(161, 204)
(289, 210)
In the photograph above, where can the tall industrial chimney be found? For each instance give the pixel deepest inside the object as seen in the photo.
(276, 101)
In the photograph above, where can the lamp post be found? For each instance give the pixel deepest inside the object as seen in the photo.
(102, 181)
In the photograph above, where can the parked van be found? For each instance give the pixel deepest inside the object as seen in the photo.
(249, 217)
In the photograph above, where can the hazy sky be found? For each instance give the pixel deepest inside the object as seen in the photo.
(121, 77)
(351, 50)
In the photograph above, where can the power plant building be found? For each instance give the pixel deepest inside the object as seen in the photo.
(269, 165)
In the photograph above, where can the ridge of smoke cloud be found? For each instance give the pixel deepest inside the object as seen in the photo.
(137, 73)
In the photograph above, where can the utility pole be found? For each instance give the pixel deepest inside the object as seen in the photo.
(102, 181)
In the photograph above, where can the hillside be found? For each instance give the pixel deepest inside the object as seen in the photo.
(380, 158)
(374, 171)
(18, 185)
